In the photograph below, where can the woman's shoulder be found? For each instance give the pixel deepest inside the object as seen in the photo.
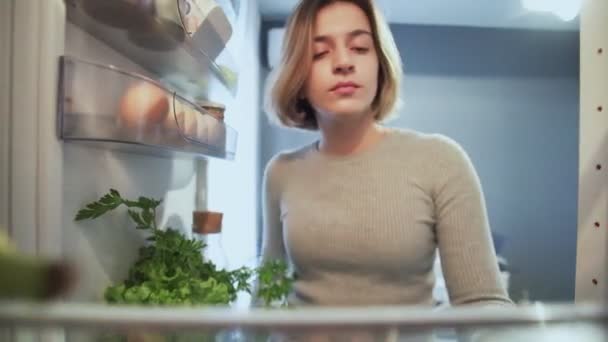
(293, 154)
(428, 144)
(280, 161)
(436, 155)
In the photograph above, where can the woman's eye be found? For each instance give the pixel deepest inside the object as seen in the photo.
(360, 49)
(319, 54)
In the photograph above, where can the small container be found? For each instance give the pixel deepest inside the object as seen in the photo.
(207, 227)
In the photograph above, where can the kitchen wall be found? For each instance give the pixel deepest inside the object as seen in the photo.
(510, 98)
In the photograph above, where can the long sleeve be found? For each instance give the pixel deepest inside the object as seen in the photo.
(272, 242)
(468, 258)
(272, 234)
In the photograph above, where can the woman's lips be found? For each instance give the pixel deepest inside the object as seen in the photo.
(345, 88)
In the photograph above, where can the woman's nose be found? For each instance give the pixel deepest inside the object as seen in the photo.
(342, 62)
(344, 68)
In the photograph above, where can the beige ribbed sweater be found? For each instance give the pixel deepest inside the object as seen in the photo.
(363, 229)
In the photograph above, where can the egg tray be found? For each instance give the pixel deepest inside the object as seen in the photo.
(110, 107)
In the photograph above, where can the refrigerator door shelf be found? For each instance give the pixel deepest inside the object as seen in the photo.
(113, 108)
(186, 43)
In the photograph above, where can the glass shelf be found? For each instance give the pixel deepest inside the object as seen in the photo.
(114, 108)
(186, 43)
(552, 322)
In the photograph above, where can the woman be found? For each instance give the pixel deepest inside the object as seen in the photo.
(360, 213)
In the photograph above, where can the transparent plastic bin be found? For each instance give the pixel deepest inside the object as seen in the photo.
(188, 44)
(113, 108)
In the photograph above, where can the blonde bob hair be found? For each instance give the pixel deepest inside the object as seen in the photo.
(284, 103)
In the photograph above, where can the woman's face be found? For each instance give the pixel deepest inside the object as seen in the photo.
(343, 78)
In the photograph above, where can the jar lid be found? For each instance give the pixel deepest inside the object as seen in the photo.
(206, 222)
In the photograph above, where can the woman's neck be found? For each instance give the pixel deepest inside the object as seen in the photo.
(346, 138)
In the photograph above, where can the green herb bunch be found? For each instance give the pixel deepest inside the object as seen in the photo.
(273, 284)
(171, 269)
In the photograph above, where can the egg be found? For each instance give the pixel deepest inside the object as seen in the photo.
(214, 132)
(184, 120)
(190, 122)
(143, 104)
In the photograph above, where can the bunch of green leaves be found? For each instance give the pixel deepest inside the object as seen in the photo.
(144, 216)
(171, 269)
(274, 282)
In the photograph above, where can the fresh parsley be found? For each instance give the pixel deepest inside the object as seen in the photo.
(274, 285)
(171, 269)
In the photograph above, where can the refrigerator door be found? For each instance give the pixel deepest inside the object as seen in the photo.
(46, 180)
(35, 156)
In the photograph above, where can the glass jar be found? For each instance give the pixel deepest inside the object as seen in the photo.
(207, 227)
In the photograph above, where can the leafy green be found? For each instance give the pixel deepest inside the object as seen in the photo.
(93, 210)
(274, 283)
(144, 218)
(171, 270)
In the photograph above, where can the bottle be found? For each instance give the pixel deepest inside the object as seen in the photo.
(207, 226)
(214, 250)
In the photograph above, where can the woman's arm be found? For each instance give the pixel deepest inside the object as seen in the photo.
(272, 241)
(467, 253)
(272, 234)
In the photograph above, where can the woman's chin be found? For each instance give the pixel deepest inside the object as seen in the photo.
(347, 113)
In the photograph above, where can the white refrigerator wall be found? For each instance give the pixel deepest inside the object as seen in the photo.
(233, 184)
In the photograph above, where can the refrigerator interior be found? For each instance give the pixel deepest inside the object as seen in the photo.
(105, 248)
